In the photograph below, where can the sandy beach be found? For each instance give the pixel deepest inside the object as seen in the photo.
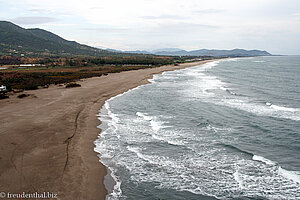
(47, 138)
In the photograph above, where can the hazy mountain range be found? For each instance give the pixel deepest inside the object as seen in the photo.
(200, 52)
(18, 41)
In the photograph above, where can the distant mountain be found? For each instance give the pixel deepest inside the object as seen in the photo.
(130, 52)
(167, 50)
(201, 52)
(138, 52)
(216, 53)
(15, 40)
(111, 50)
(156, 51)
(173, 52)
(234, 52)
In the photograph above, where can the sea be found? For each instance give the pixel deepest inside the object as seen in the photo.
(228, 129)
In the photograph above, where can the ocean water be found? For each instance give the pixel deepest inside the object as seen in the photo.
(227, 129)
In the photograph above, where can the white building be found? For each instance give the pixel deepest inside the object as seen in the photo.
(31, 65)
(2, 88)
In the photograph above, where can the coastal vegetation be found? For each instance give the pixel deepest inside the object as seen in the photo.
(20, 96)
(30, 73)
(3, 95)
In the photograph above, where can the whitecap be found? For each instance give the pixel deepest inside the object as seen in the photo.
(145, 117)
(262, 159)
(282, 108)
(258, 109)
(155, 124)
(268, 103)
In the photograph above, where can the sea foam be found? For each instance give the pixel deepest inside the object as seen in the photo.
(138, 143)
(292, 175)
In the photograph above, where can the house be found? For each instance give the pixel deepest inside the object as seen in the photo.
(31, 65)
(2, 88)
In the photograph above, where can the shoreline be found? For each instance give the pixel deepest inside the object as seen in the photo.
(53, 132)
(109, 180)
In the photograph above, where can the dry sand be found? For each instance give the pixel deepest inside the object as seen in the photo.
(46, 139)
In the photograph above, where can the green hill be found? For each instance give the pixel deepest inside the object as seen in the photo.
(15, 40)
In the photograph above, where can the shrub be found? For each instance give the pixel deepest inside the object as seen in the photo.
(3, 95)
(23, 95)
(30, 87)
(70, 85)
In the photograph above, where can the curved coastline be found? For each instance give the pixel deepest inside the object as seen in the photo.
(52, 132)
(109, 179)
(130, 157)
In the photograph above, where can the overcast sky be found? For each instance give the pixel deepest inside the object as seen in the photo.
(272, 25)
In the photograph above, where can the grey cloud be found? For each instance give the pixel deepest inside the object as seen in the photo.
(164, 17)
(96, 8)
(42, 11)
(177, 29)
(105, 29)
(34, 20)
(208, 11)
(185, 26)
(38, 10)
